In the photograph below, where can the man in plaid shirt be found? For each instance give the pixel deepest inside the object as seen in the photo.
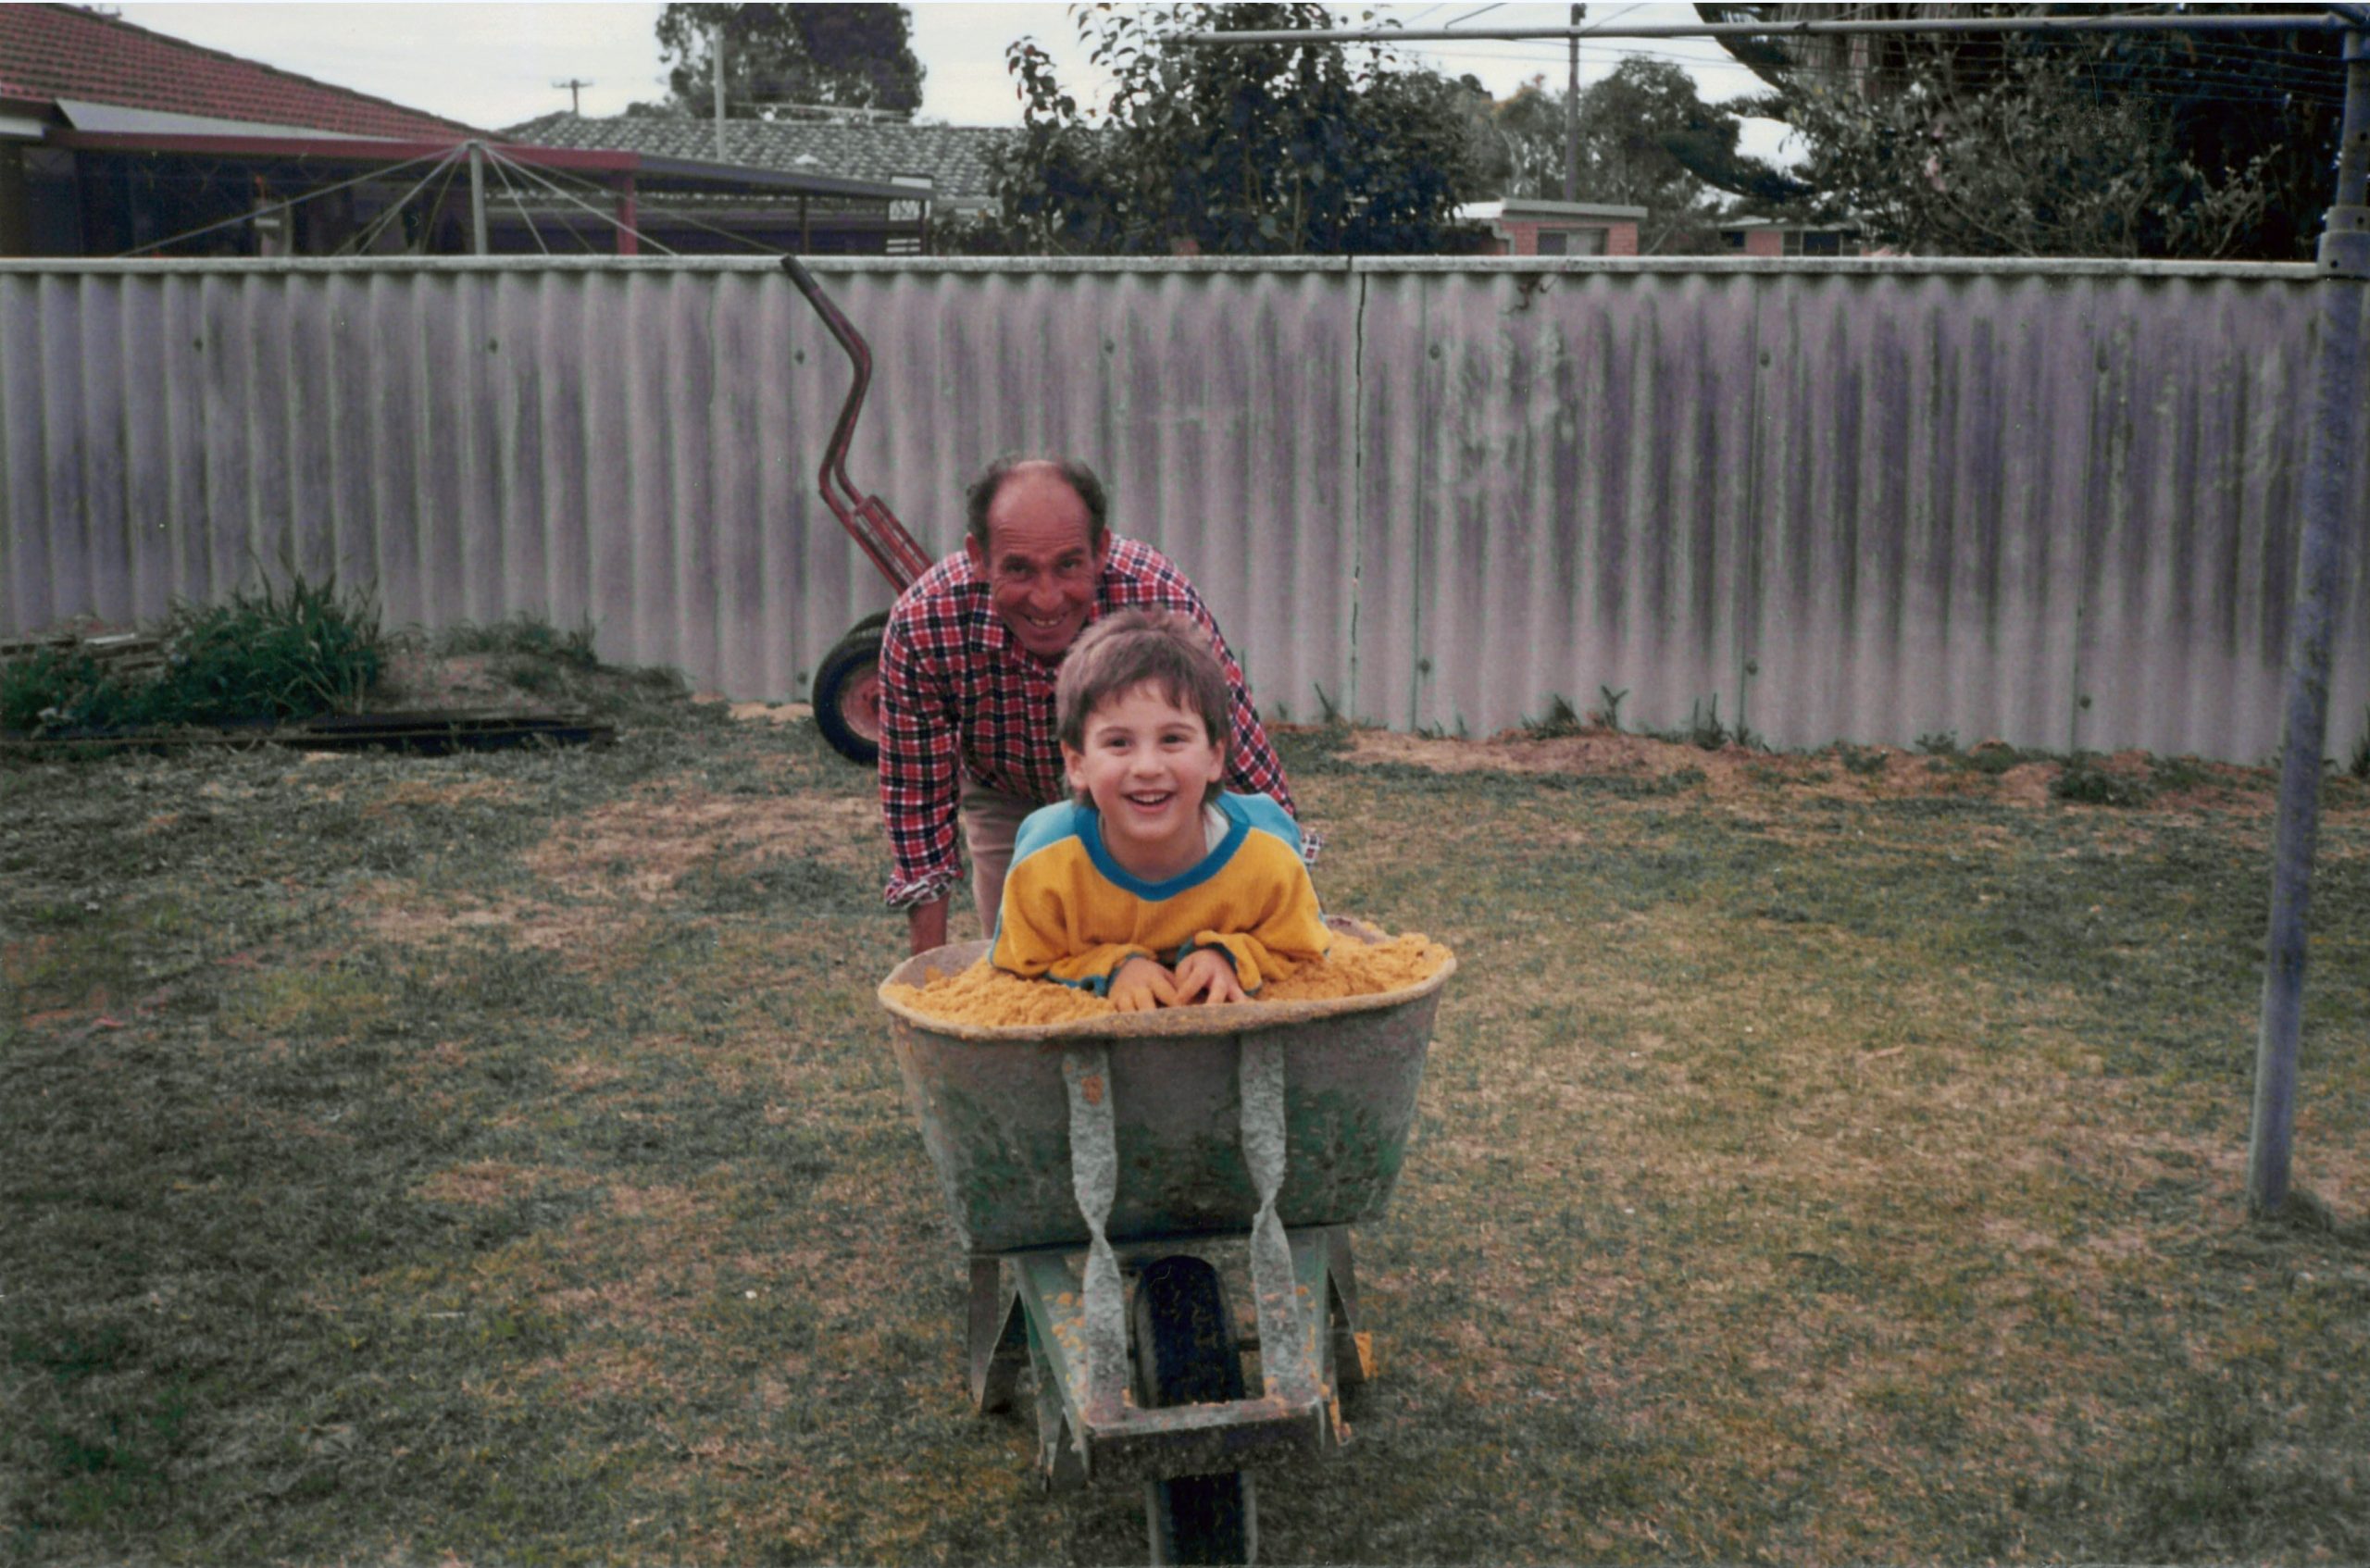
(967, 664)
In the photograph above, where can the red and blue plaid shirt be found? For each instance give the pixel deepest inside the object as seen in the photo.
(959, 696)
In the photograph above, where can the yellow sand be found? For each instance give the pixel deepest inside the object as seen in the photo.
(985, 996)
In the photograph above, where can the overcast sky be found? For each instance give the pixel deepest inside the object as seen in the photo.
(495, 65)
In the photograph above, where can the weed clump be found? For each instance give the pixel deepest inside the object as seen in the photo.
(1562, 719)
(2083, 782)
(59, 688)
(1991, 757)
(1865, 761)
(275, 653)
(523, 636)
(1703, 730)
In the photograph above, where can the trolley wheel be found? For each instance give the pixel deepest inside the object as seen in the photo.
(847, 693)
(1185, 1354)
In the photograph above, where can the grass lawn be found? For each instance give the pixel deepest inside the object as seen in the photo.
(498, 1159)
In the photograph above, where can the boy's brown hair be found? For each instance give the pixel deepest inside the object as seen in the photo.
(1160, 648)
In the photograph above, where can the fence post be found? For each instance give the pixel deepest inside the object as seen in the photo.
(2344, 261)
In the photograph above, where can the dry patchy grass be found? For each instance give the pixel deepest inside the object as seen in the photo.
(1823, 1157)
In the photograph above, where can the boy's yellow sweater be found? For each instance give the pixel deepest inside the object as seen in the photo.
(1072, 913)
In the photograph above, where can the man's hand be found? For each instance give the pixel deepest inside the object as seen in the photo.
(1141, 984)
(926, 925)
(1205, 972)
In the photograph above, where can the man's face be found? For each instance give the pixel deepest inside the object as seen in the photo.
(1039, 563)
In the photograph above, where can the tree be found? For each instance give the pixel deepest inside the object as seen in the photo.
(2143, 145)
(1272, 149)
(779, 59)
(1647, 139)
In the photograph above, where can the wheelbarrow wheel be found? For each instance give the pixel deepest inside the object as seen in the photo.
(1185, 1354)
(846, 693)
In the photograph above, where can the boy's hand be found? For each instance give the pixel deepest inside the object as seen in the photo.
(1142, 984)
(1205, 972)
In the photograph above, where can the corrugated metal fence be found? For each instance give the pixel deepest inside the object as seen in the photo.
(2053, 502)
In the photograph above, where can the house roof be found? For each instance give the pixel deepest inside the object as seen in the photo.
(954, 156)
(49, 53)
(1752, 220)
(1534, 207)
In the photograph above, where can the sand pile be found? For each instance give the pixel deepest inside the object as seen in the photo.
(982, 996)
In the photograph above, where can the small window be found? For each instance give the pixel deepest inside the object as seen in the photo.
(1732, 238)
(1826, 242)
(1571, 242)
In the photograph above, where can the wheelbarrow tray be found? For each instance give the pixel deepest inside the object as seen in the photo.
(994, 1112)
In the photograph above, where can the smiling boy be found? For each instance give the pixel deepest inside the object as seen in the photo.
(1151, 885)
(967, 666)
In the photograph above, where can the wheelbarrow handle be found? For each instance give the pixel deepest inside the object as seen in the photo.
(867, 517)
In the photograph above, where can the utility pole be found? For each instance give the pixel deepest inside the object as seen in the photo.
(716, 57)
(575, 86)
(1572, 116)
(2344, 263)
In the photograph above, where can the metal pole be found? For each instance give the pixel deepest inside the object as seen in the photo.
(477, 198)
(628, 230)
(2344, 261)
(1572, 116)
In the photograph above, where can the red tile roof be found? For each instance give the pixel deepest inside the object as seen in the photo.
(52, 52)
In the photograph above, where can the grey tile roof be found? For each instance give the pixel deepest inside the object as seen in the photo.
(954, 156)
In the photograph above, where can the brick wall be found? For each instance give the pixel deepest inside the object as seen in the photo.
(1520, 236)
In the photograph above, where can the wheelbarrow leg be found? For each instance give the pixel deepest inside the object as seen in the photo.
(1352, 1347)
(998, 1338)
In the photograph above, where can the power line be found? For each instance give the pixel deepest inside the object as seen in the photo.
(441, 160)
(2214, 22)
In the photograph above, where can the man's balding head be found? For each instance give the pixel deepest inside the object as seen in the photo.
(1069, 470)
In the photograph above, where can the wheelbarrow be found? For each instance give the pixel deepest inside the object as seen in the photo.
(846, 687)
(1092, 1171)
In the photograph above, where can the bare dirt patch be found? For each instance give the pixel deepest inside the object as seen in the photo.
(1735, 775)
(767, 712)
(587, 936)
(444, 793)
(418, 679)
(482, 1183)
(642, 848)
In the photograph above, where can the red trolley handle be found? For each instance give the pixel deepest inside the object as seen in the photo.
(867, 518)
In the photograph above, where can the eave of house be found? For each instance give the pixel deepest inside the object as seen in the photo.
(644, 168)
